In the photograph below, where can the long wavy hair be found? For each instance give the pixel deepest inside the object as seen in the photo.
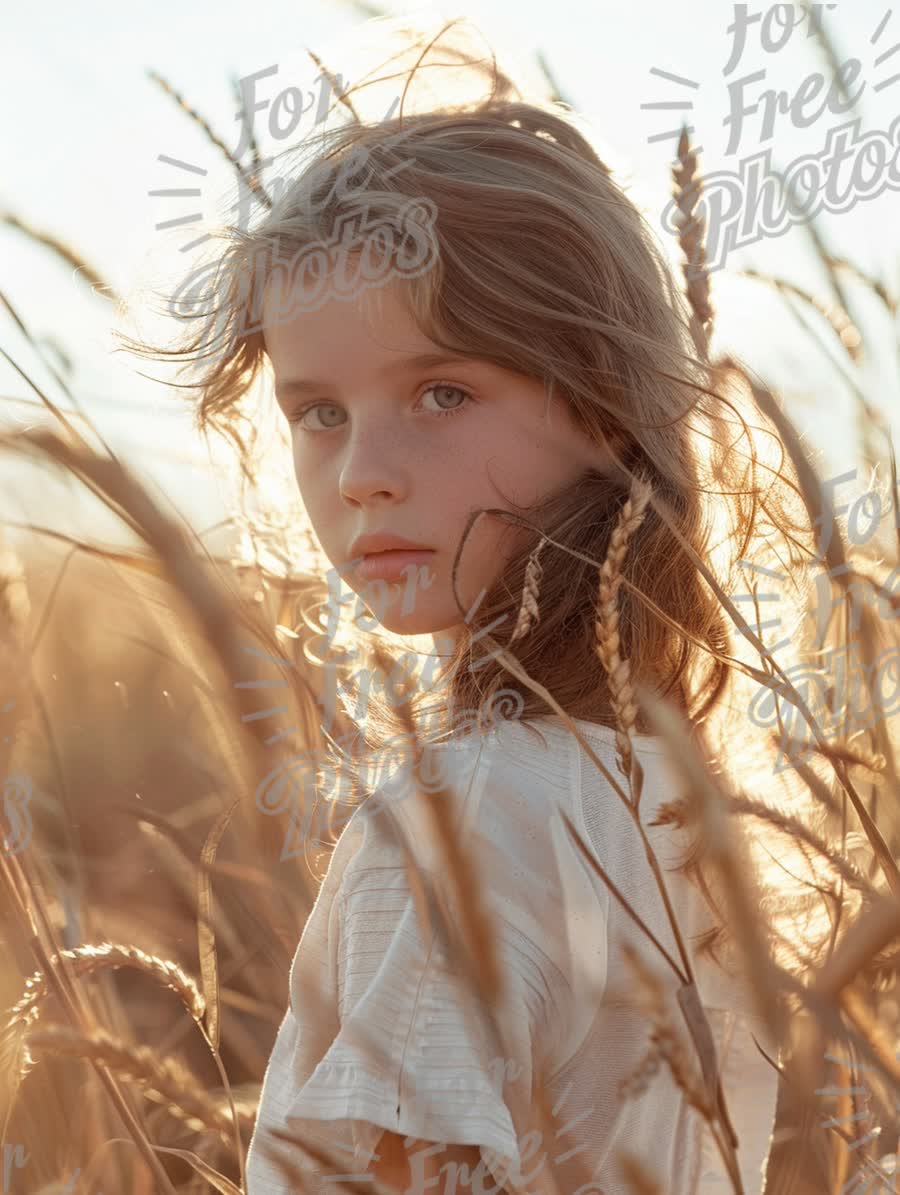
(545, 266)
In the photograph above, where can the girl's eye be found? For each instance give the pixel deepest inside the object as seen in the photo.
(330, 410)
(440, 389)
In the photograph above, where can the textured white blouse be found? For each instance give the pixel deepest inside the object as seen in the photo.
(381, 1033)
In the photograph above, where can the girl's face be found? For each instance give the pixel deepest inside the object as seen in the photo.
(385, 441)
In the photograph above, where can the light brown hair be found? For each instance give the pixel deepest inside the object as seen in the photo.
(545, 266)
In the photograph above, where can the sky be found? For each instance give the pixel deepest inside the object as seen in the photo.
(88, 132)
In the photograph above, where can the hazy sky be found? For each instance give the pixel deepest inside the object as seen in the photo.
(85, 127)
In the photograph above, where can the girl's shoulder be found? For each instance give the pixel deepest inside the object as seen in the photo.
(506, 784)
(493, 783)
(500, 796)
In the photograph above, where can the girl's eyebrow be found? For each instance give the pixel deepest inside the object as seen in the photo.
(421, 361)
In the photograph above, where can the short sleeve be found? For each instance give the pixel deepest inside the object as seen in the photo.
(409, 1046)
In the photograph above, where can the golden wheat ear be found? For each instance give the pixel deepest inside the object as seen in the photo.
(606, 626)
(528, 610)
(691, 224)
(165, 1081)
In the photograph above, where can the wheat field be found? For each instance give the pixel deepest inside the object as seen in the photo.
(155, 881)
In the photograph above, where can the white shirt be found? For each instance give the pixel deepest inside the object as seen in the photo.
(382, 1034)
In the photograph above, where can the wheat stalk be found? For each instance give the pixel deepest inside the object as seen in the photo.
(88, 960)
(836, 316)
(247, 122)
(691, 224)
(163, 1080)
(334, 84)
(874, 284)
(249, 178)
(665, 1044)
(638, 1081)
(606, 623)
(91, 276)
(679, 813)
(528, 609)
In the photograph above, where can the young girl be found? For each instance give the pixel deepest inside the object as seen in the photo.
(504, 436)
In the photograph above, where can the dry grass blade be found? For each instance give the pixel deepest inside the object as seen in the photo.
(834, 557)
(710, 805)
(837, 287)
(334, 83)
(51, 406)
(206, 947)
(474, 930)
(92, 277)
(874, 929)
(206, 937)
(760, 967)
(835, 61)
(874, 284)
(249, 131)
(250, 179)
(595, 865)
(846, 331)
(794, 828)
(665, 1046)
(203, 1168)
(15, 609)
(895, 490)
(557, 94)
(32, 918)
(701, 1034)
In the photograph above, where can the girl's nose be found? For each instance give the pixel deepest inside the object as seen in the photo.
(377, 465)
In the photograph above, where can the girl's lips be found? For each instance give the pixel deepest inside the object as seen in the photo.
(389, 566)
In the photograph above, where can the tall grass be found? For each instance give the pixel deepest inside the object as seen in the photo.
(150, 913)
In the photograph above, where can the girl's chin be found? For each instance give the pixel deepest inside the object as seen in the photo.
(404, 613)
(418, 623)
